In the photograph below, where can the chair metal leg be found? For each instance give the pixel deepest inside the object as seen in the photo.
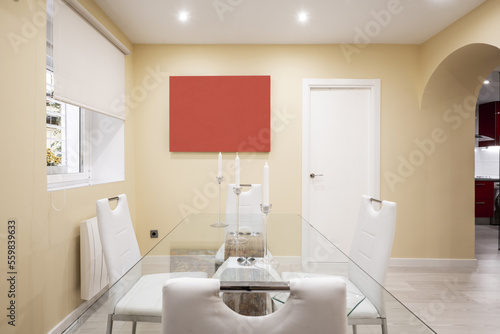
(109, 327)
(384, 326)
(382, 322)
(134, 326)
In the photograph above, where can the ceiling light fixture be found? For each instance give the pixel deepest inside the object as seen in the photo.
(303, 17)
(486, 82)
(183, 16)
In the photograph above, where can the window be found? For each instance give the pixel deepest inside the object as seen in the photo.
(63, 125)
(84, 140)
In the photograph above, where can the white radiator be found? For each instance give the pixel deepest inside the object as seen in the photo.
(93, 272)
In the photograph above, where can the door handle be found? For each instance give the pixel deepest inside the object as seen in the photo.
(312, 175)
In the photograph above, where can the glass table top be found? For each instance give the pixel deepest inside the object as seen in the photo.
(297, 248)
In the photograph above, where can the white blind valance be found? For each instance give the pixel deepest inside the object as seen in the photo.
(89, 71)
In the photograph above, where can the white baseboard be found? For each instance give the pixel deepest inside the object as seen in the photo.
(75, 314)
(448, 263)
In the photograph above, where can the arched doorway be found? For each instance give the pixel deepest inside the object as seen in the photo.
(449, 98)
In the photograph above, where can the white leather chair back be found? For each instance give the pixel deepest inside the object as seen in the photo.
(119, 243)
(371, 248)
(250, 199)
(315, 306)
(250, 214)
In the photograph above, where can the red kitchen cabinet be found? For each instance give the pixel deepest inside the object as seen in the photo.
(497, 134)
(489, 123)
(484, 199)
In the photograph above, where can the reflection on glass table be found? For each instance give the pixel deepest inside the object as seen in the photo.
(299, 248)
(353, 299)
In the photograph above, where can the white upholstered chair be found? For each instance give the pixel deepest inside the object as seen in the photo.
(143, 301)
(315, 306)
(250, 199)
(370, 253)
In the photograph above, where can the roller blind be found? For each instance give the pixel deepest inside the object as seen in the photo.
(89, 71)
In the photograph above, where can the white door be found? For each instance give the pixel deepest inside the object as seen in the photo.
(340, 154)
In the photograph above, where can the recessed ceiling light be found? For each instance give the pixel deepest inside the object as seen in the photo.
(486, 82)
(303, 17)
(183, 16)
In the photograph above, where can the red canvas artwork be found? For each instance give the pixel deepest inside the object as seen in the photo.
(220, 113)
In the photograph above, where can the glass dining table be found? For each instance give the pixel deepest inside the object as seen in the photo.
(250, 285)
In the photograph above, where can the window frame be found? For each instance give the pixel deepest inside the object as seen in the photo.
(66, 180)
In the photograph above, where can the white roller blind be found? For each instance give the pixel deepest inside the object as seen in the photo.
(89, 71)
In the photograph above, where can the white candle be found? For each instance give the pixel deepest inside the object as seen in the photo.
(265, 196)
(237, 170)
(219, 170)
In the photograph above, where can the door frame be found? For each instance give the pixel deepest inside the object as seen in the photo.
(307, 86)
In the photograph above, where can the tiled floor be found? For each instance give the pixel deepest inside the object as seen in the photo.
(455, 300)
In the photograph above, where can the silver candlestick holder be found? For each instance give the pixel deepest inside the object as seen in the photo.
(237, 238)
(267, 259)
(219, 223)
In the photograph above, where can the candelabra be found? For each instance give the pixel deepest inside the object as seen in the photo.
(267, 259)
(218, 223)
(237, 238)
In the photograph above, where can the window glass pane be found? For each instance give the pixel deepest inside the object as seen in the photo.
(55, 130)
(53, 120)
(73, 137)
(53, 134)
(53, 107)
(54, 153)
(49, 80)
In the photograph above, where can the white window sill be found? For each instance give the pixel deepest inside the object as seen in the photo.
(66, 181)
(53, 186)
(62, 185)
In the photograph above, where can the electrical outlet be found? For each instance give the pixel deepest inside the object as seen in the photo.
(153, 234)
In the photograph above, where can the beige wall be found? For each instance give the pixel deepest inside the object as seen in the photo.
(479, 26)
(454, 63)
(169, 184)
(435, 200)
(48, 281)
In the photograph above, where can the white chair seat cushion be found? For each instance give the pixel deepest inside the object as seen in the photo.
(365, 309)
(145, 297)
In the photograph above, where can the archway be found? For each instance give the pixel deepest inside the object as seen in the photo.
(449, 100)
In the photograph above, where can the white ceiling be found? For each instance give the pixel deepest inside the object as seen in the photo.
(275, 21)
